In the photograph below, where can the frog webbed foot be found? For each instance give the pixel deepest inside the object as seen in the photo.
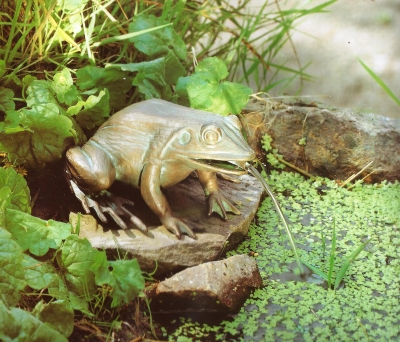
(108, 203)
(218, 203)
(177, 227)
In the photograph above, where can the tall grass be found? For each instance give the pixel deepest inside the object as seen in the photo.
(39, 36)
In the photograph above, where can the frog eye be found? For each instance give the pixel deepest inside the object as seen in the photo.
(211, 134)
(184, 138)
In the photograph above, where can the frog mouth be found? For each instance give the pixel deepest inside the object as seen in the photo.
(223, 166)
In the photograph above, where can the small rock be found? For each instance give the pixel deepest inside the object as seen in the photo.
(161, 249)
(218, 286)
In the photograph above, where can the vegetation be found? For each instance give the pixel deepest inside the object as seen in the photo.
(65, 66)
(364, 306)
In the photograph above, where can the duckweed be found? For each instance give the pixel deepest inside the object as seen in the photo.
(365, 307)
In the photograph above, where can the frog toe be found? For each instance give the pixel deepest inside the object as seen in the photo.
(177, 227)
(218, 203)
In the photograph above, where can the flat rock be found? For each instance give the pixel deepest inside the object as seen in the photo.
(218, 286)
(161, 249)
(339, 141)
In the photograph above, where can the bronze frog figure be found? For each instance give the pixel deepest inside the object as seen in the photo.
(155, 144)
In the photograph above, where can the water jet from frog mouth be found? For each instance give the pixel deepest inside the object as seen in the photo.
(253, 171)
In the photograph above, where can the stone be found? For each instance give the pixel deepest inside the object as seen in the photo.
(339, 141)
(217, 286)
(159, 249)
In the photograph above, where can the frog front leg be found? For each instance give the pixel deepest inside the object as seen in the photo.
(151, 192)
(216, 200)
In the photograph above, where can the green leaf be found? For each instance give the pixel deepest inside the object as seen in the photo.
(150, 78)
(156, 43)
(58, 314)
(34, 234)
(40, 92)
(64, 88)
(316, 270)
(380, 82)
(347, 263)
(332, 254)
(38, 274)
(6, 99)
(20, 197)
(117, 82)
(128, 281)
(206, 91)
(19, 325)
(2, 68)
(5, 200)
(123, 276)
(51, 133)
(11, 123)
(95, 110)
(58, 289)
(12, 279)
(76, 259)
(100, 269)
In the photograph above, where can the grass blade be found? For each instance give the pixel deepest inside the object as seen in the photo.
(380, 82)
(317, 271)
(347, 263)
(332, 254)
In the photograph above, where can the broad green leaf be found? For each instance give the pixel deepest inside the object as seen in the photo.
(150, 78)
(58, 289)
(27, 80)
(116, 81)
(167, 69)
(212, 69)
(20, 325)
(100, 268)
(51, 133)
(128, 281)
(76, 259)
(64, 88)
(11, 123)
(95, 110)
(123, 276)
(205, 90)
(12, 279)
(34, 234)
(38, 274)
(156, 43)
(20, 197)
(6, 99)
(40, 92)
(58, 314)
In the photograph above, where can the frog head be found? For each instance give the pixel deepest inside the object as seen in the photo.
(212, 143)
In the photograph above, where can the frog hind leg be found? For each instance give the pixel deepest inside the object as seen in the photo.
(151, 192)
(216, 200)
(91, 168)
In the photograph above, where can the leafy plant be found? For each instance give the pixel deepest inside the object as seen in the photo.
(59, 264)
